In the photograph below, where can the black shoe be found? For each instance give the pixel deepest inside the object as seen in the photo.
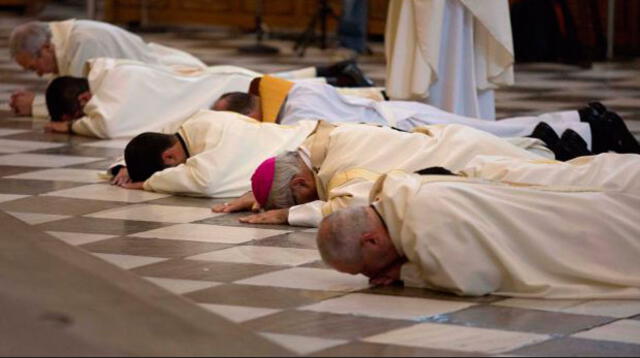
(352, 76)
(570, 146)
(622, 141)
(545, 133)
(594, 110)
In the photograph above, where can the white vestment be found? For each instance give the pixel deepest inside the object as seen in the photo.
(225, 148)
(77, 41)
(452, 53)
(357, 154)
(315, 100)
(130, 97)
(474, 238)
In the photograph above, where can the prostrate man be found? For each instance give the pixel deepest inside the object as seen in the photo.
(335, 167)
(123, 98)
(212, 154)
(472, 237)
(62, 49)
(286, 102)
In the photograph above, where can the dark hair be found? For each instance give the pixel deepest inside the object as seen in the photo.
(240, 102)
(62, 96)
(434, 171)
(143, 154)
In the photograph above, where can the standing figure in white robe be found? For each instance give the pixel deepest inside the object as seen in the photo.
(336, 166)
(471, 237)
(451, 54)
(212, 154)
(125, 97)
(61, 48)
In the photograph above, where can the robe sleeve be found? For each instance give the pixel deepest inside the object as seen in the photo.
(39, 107)
(351, 193)
(185, 179)
(90, 127)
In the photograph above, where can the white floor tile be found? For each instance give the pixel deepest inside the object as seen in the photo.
(309, 279)
(238, 314)
(107, 192)
(9, 197)
(75, 238)
(44, 160)
(210, 233)
(129, 261)
(111, 143)
(626, 331)
(36, 218)
(459, 338)
(302, 345)
(17, 146)
(159, 213)
(392, 307)
(261, 255)
(63, 174)
(180, 287)
(608, 308)
(6, 131)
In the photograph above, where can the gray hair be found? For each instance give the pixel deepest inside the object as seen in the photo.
(29, 37)
(280, 195)
(339, 235)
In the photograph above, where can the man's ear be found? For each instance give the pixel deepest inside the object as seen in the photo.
(369, 239)
(167, 157)
(84, 97)
(298, 181)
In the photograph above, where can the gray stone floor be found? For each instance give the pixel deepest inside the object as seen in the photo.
(268, 283)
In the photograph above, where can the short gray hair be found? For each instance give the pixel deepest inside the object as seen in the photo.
(339, 235)
(280, 195)
(29, 37)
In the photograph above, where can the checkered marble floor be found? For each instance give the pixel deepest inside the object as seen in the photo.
(271, 279)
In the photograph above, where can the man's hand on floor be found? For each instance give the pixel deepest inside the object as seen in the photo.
(244, 203)
(278, 216)
(21, 102)
(121, 178)
(135, 186)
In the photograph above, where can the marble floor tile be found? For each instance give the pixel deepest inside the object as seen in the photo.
(35, 218)
(309, 279)
(180, 286)
(324, 325)
(158, 213)
(302, 345)
(74, 238)
(43, 160)
(366, 349)
(31, 187)
(6, 131)
(99, 226)
(18, 146)
(262, 297)
(58, 205)
(608, 308)
(63, 174)
(261, 255)
(238, 314)
(109, 143)
(297, 239)
(153, 247)
(458, 338)
(521, 320)
(210, 233)
(107, 192)
(129, 261)
(624, 331)
(577, 347)
(415, 309)
(10, 197)
(204, 271)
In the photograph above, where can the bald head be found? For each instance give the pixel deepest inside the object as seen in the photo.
(30, 46)
(355, 240)
(240, 102)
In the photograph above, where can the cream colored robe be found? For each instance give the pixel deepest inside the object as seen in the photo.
(225, 149)
(77, 41)
(457, 48)
(130, 97)
(611, 171)
(476, 238)
(357, 154)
